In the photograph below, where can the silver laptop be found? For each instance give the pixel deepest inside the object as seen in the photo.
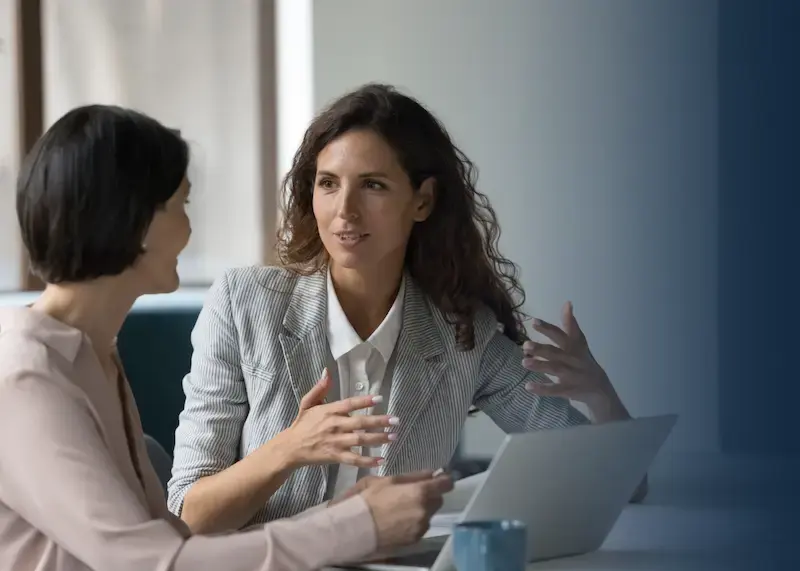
(568, 485)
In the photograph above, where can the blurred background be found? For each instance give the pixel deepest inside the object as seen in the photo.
(637, 152)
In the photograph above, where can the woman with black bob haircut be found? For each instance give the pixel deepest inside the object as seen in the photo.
(101, 205)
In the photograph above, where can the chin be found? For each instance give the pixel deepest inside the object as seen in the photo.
(349, 260)
(167, 284)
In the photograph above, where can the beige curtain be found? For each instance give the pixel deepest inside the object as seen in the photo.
(202, 66)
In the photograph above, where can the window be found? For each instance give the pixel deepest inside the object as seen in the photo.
(195, 65)
(10, 247)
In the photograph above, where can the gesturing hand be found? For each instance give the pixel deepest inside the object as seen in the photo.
(579, 375)
(402, 506)
(326, 433)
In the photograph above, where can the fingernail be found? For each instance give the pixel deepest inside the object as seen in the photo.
(392, 436)
(537, 322)
(530, 386)
(377, 399)
(438, 472)
(394, 421)
(380, 461)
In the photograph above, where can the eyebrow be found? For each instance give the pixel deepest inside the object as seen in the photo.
(372, 174)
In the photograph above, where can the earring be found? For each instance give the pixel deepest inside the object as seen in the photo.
(144, 247)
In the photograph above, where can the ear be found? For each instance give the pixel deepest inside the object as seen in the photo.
(425, 199)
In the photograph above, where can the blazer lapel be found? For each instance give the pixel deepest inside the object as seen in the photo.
(419, 368)
(304, 341)
(305, 346)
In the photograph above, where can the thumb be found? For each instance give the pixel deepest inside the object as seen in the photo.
(317, 394)
(439, 485)
(412, 477)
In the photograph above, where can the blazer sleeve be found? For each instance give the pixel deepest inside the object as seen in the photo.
(501, 392)
(207, 439)
(57, 474)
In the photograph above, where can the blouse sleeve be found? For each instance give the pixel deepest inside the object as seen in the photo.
(57, 474)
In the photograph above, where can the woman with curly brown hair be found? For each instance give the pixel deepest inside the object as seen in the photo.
(390, 284)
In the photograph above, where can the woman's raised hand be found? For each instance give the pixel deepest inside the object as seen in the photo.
(327, 433)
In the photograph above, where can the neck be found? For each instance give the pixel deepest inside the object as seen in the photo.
(366, 297)
(97, 307)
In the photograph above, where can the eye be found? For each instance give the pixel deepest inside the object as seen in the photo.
(374, 185)
(325, 183)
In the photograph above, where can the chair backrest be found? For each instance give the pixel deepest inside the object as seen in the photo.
(160, 459)
(156, 350)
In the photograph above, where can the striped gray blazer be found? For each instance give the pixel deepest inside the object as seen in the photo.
(260, 344)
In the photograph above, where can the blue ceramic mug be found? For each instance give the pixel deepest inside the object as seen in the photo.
(499, 545)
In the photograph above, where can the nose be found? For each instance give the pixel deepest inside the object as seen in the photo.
(349, 207)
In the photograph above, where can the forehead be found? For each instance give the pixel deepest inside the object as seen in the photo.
(357, 150)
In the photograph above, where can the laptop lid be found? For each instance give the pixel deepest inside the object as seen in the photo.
(569, 485)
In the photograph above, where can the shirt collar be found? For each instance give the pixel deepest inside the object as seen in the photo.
(59, 336)
(343, 338)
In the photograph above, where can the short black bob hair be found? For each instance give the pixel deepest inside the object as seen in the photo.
(88, 190)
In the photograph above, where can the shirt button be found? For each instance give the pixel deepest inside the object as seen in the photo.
(359, 386)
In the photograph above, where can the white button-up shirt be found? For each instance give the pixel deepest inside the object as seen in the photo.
(360, 367)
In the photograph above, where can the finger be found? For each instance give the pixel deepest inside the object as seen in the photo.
(532, 349)
(353, 459)
(316, 395)
(438, 486)
(365, 422)
(550, 389)
(547, 367)
(364, 439)
(571, 327)
(353, 404)
(435, 504)
(554, 333)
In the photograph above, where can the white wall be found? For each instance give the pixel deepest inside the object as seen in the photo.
(193, 64)
(10, 244)
(594, 127)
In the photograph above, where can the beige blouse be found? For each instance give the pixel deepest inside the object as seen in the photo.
(78, 492)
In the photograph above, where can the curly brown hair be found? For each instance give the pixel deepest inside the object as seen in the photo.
(453, 255)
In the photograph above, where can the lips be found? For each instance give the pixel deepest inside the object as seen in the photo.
(351, 237)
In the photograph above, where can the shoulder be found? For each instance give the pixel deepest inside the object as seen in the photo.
(21, 351)
(249, 286)
(487, 329)
(263, 280)
(28, 365)
(259, 298)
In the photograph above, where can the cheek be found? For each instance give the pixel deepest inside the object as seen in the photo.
(323, 212)
(186, 231)
(168, 233)
(393, 221)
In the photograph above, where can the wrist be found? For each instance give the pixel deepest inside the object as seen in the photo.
(281, 452)
(606, 406)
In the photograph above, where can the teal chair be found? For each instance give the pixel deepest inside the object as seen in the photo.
(156, 351)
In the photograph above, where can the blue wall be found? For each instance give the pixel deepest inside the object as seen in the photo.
(759, 221)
